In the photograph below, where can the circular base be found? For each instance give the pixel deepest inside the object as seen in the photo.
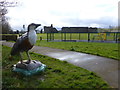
(33, 67)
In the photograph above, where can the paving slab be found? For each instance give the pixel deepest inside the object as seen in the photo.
(104, 67)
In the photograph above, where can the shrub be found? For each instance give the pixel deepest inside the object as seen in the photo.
(9, 37)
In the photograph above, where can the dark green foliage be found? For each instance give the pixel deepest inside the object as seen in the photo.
(9, 37)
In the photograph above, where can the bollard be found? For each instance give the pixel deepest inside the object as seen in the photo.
(40, 38)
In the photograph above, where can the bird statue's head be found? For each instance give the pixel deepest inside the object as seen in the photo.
(33, 26)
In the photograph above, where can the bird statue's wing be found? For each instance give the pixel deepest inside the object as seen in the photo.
(16, 49)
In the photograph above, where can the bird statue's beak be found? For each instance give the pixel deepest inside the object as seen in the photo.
(38, 25)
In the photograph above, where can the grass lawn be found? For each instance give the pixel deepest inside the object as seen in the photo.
(59, 74)
(109, 50)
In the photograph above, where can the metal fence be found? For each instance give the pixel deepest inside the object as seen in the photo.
(89, 37)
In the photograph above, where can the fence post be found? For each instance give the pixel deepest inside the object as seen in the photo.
(70, 36)
(116, 38)
(47, 37)
(40, 38)
(65, 36)
(50, 36)
(61, 36)
(88, 36)
(79, 36)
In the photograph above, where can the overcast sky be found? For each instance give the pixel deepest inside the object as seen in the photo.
(91, 13)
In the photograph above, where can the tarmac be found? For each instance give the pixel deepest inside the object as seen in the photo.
(106, 68)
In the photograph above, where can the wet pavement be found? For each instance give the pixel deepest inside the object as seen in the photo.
(103, 67)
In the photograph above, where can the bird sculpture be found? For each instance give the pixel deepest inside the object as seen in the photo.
(25, 42)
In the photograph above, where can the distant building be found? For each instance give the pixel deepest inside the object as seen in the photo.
(50, 29)
(91, 29)
(78, 29)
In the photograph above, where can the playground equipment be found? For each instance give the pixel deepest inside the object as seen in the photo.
(107, 36)
(100, 36)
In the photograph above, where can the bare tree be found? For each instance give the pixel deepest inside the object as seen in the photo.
(4, 24)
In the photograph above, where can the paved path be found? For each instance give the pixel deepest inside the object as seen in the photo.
(104, 67)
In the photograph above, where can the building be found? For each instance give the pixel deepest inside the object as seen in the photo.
(50, 29)
(91, 29)
(78, 29)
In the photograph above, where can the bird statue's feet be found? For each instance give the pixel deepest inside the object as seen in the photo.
(28, 62)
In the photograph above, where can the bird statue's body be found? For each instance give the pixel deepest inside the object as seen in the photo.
(25, 42)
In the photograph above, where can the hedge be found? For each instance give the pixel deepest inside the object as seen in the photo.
(9, 37)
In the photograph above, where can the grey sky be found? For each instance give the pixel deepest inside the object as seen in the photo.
(94, 13)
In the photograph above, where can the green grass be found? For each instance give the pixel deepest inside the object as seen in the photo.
(109, 50)
(59, 74)
(43, 35)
